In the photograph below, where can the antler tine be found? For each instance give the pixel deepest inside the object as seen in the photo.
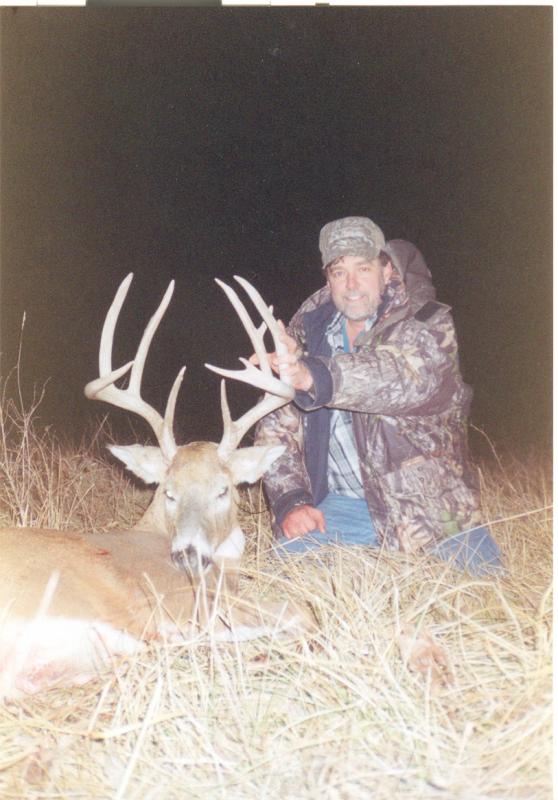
(152, 325)
(266, 313)
(103, 388)
(234, 430)
(168, 420)
(225, 411)
(277, 392)
(256, 334)
(92, 389)
(107, 335)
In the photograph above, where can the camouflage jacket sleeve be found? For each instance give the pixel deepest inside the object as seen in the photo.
(286, 483)
(409, 369)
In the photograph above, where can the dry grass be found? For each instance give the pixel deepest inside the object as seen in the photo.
(340, 718)
(47, 484)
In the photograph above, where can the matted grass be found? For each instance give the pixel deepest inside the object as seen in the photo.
(341, 717)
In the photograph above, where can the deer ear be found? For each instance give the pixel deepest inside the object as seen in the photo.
(146, 462)
(249, 463)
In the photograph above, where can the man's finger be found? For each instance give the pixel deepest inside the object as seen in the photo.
(319, 520)
(271, 357)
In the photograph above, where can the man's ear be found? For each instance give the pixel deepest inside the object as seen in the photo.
(248, 464)
(146, 462)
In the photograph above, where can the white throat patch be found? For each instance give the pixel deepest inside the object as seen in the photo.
(233, 546)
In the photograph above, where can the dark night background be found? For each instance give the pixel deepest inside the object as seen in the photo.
(194, 143)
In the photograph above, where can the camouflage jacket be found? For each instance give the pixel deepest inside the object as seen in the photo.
(409, 404)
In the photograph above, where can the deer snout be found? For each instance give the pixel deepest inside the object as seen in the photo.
(190, 560)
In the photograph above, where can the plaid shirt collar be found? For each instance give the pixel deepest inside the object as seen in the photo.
(336, 332)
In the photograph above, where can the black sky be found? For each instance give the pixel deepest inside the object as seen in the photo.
(195, 143)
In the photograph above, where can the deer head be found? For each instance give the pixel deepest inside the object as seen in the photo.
(195, 502)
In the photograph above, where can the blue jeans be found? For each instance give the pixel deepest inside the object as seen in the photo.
(348, 522)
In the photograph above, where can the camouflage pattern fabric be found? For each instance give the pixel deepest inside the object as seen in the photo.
(409, 406)
(357, 236)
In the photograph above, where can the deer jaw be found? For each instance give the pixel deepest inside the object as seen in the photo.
(195, 503)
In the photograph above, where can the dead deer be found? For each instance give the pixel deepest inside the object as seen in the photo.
(70, 603)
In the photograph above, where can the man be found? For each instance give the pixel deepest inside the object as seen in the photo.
(376, 438)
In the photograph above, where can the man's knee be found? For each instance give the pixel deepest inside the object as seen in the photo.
(473, 551)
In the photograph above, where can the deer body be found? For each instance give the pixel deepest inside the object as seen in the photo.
(71, 603)
(111, 593)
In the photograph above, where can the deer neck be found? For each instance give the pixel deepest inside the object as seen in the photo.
(153, 518)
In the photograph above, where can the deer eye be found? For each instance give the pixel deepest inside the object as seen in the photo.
(170, 497)
(223, 493)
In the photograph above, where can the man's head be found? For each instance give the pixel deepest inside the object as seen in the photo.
(357, 284)
(350, 236)
(356, 269)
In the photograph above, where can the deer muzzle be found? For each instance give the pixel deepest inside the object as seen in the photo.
(189, 559)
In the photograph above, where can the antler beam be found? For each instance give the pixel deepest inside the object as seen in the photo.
(278, 391)
(103, 387)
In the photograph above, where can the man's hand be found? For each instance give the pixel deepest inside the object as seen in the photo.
(288, 365)
(301, 520)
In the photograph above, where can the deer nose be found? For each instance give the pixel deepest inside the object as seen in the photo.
(189, 560)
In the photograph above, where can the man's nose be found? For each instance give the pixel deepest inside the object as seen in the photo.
(352, 281)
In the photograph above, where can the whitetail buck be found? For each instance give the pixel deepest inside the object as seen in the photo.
(70, 603)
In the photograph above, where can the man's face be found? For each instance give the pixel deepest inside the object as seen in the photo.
(357, 285)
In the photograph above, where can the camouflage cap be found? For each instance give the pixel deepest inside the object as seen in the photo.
(350, 236)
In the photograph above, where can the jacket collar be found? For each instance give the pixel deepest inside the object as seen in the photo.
(393, 307)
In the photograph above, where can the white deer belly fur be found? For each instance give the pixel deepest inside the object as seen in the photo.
(38, 654)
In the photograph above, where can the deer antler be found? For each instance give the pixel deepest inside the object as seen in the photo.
(103, 388)
(278, 392)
